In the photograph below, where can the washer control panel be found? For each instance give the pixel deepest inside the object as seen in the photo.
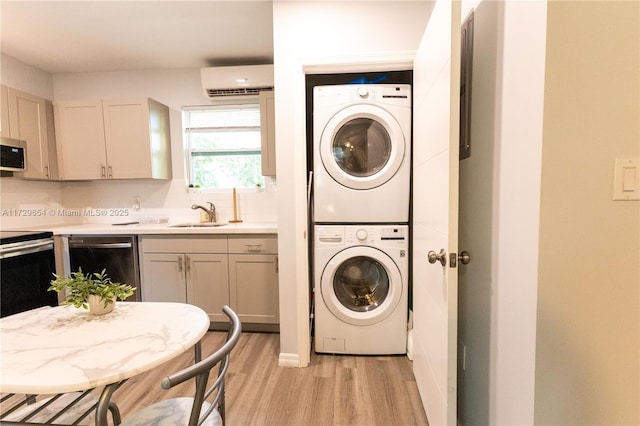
(329, 234)
(360, 234)
(364, 234)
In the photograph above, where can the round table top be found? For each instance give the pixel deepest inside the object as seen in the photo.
(65, 349)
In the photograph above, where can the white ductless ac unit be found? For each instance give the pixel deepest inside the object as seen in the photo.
(246, 80)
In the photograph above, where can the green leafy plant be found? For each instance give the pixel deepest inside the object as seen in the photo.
(79, 286)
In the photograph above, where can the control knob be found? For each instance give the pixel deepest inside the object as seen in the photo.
(363, 92)
(361, 234)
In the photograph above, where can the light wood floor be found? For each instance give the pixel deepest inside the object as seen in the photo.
(333, 390)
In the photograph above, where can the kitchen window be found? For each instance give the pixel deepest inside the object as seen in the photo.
(223, 146)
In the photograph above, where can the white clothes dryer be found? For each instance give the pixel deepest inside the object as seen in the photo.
(362, 153)
(361, 289)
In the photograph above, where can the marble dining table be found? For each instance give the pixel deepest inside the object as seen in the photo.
(64, 349)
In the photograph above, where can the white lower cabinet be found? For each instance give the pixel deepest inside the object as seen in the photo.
(186, 269)
(253, 278)
(211, 271)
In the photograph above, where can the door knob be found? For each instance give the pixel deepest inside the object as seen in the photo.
(434, 257)
(464, 257)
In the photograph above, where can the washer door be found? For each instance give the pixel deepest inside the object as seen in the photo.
(361, 285)
(362, 147)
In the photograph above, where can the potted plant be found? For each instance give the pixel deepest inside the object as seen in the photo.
(95, 292)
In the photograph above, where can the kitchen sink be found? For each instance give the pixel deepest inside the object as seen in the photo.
(199, 225)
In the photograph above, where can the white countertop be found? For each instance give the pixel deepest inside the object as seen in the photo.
(65, 349)
(161, 228)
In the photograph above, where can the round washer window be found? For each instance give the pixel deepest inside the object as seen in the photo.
(361, 147)
(361, 284)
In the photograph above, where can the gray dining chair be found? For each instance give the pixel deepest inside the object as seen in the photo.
(207, 406)
(77, 408)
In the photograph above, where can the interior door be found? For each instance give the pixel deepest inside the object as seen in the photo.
(435, 212)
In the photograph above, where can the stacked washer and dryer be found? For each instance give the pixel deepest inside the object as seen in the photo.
(361, 181)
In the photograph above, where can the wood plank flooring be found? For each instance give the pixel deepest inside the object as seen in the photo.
(333, 390)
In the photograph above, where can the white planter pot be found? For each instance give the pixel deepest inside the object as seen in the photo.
(97, 306)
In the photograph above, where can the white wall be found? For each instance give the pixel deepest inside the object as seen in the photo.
(588, 331)
(24, 77)
(18, 194)
(521, 53)
(321, 37)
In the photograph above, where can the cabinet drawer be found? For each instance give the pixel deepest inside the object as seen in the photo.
(183, 244)
(253, 244)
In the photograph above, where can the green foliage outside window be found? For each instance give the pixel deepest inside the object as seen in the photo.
(223, 146)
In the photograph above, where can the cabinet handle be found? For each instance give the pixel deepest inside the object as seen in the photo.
(104, 172)
(188, 263)
(180, 264)
(46, 171)
(110, 172)
(254, 247)
(277, 265)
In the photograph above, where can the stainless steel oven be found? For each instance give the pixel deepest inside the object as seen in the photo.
(118, 254)
(27, 264)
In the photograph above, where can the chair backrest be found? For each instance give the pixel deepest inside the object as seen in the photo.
(214, 393)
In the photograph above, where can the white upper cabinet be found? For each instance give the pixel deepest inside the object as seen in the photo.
(268, 133)
(30, 118)
(4, 111)
(113, 139)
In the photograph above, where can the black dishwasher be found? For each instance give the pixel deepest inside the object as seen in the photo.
(118, 254)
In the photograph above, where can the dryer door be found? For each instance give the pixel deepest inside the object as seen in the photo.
(361, 285)
(362, 147)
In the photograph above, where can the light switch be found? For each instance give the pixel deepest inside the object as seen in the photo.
(626, 179)
(629, 179)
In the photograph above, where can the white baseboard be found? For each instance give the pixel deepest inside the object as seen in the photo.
(288, 360)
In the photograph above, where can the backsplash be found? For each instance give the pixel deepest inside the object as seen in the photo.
(27, 204)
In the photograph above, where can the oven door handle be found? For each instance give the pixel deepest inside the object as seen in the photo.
(99, 245)
(26, 249)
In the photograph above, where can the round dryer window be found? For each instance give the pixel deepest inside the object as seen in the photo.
(362, 147)
(361, 285)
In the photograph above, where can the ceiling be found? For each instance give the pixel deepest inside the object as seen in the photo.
(87, 36)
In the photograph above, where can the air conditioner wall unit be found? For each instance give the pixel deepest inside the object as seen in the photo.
(236, 80)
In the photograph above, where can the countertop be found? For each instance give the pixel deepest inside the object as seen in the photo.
(161, 228)
(64, 349)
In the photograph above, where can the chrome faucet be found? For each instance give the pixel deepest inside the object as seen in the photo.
(211, 211)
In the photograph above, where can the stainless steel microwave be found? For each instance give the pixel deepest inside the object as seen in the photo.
(13, 155)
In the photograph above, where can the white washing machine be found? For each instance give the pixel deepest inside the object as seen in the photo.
(362, 153)
(361, 289)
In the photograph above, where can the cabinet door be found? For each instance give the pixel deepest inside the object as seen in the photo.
(28, 121)
(207, 283)
(4, 112)
(253, 287)
(268, 133)
(163, 277)
(126, 129)
(80, 140)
